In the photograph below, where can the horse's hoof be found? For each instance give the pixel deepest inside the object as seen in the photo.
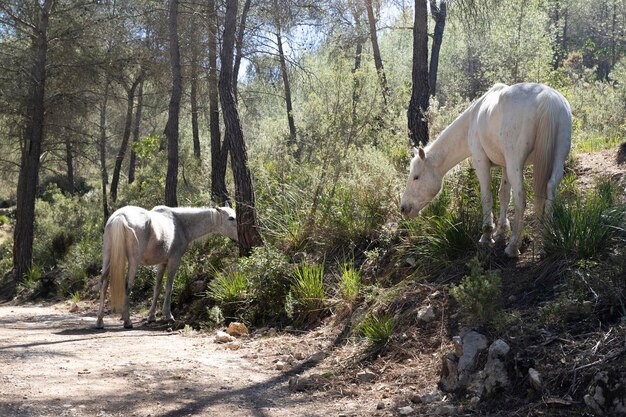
(512, 252)
(151, 319)
(100, 324)
(486, 240)
(128, 325)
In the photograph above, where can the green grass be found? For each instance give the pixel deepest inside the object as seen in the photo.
(377, 329)
(582, 225)
(349, 282)
(228, 287)
(306, 295)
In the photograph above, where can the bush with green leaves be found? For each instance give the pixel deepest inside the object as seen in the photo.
(583, 224)
(307, 297)
(229, 289)
(478, 293)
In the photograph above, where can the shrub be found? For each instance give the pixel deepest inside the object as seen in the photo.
(478, 294)
(307, 298)
(229, 289)
(582, 225)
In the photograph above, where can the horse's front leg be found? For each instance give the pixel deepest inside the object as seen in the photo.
(158, 284)
(482, 165)
(504, 196)
(172, 267)
(515, 175)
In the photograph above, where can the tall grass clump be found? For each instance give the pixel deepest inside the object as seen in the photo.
(349, 282)
(478, 293)
(229, 289)
(377, 329)
(582, 225)
(307, 298)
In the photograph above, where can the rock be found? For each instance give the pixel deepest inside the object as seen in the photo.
(299, 356)
(475, 400)
(446, 410)
(607, 393)
(449, 381)
(223, 337)
(280, 365)
(458, 346)
(380, 405)
(405, 411)
(496, 376)
(430, 398)
(272, 332)
(237, 329)
(298, 383)
(317, 357)
(365, 376)
(73, 307)
(426, 314)
(411, 261)
(233, 345)
(534, 377)
(473, 343)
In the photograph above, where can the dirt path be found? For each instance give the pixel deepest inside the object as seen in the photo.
(54, 363)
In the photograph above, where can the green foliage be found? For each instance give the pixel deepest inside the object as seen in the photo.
(229, 289)
(307, 297)
(582, 225)
(31, 279)
(349, 282)
(377, 329)
(478, 293)
(4, 220)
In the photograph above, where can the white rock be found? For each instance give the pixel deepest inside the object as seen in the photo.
(535, 379)
(237, 329)
(280, 365)
(405, 411)
(223, 337)
(366, 376)
(426, 314)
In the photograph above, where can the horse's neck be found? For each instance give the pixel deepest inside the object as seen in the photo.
(451, 147)
(197, 223)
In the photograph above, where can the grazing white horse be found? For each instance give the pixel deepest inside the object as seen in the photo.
(156, 237)
(509, 126)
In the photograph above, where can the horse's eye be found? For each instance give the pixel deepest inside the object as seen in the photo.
(415, 178)
(232, 219)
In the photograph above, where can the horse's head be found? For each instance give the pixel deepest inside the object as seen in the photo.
(227, 224)
(424, 183)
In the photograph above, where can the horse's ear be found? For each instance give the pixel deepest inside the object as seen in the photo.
(421, 153)
(219, 209)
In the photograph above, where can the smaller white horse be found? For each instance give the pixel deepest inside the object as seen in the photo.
(159, 237)
(508, 127)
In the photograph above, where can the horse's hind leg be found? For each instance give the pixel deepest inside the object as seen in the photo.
(104, 283)
(482, 165)
(504, 196)
(132, 271)
(158, 283)
(515, 174)
(172, 267)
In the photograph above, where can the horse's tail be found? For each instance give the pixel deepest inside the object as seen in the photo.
(116, 233)
(545, 140)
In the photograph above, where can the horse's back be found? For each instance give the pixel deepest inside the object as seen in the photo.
(508, 117)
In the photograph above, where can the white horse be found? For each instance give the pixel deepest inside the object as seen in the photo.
(156, 237)
(509, 126)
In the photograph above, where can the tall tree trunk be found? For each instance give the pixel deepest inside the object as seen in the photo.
(133, 157)
(357, 11)
(418, 125)
(104, 176)
(219, 152)
(69, 163)
(439, 15)
(33, 138)
(418, 106)
(239, 45)
(195, 40)
(378, 61)
(171, 128)
(121, 154)
(244, 190)
(285, 75)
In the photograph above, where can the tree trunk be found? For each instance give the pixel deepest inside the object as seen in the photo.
(69, 163)
(133, 157)
(439, 15)
(283, 70)
(418, 106)
(357, 12)
(104, 176)
(378, 61)
(33, 138)
(239, 45)
(244, 190)
(194, 98)
(219, 152)
(171, 128)
(121, 154)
